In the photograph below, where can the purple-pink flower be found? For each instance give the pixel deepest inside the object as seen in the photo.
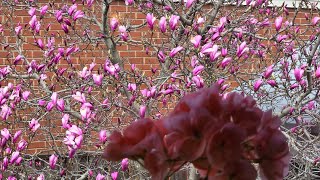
(53, 161)
(25, 95)
(72, 9)
(317, 74)
(173, 22)
(14, 157)
(65, 121)
(43, 10)
(114, 24)
(174, 51)
(114, 175)
(124, 164)
(242, 49)
(78, 14)
(298, 73)
(163, 24)
(150, 20)
(196, 40)
(189, 3)
(225, 62)
(197, 70)
(129, 2)
(103, 136)
(32, 11)
(34, 125)
(315, 20)
(79, 97)
(97, 79)
(142, 111)
(268, 72)
(16, 136)
(22, 145)
(257, 84)
(100, 177)
(278, 22)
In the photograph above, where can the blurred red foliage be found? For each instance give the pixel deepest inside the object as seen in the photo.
(222, 135)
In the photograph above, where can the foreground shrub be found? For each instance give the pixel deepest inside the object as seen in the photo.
(222, 135)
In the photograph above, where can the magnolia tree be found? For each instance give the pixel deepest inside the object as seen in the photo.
(68, 84)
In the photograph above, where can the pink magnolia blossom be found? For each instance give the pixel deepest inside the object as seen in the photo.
(268, 72)
(317, 74)
(123, 33)
(189, 3)
(5, 163)
(100, 177)
(17, 59)
(142, 111)
(224, 52)
(161, 56)
(89, 3)
(16, 136)
(78, 14)
(293, 86)
(25, 95)
(220, 82)
(242, 49)
(132, 86)
(150, 20)
(198, 81)
(32, 11)
(22, 145)
(5, 133)
(12, 178)
(103, 136)
(60, 105)
(14, 157)
(33, 22)
(97, 79)
(280, 38)
(43, 10)
(64, 27)
(58, 15)
(114, 24)
(124, 164)
(34, 125)
(72, 9)
(50, 106)
(278, 22)
(197, 70)
(79, 97)
(174, 51)
(53, 161)
(18, 29)
(84, 73)
(257, 84)
(225, 62)
(54, 98)
(85, 111)
(196, 40)
(315, 20)
(298, 73)
(163, 24)
(65, 121)
(18, 161)
(173, 22)
(272, 83)
(5, 112)
(114, 175)
(129, 2)
(74, 138)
